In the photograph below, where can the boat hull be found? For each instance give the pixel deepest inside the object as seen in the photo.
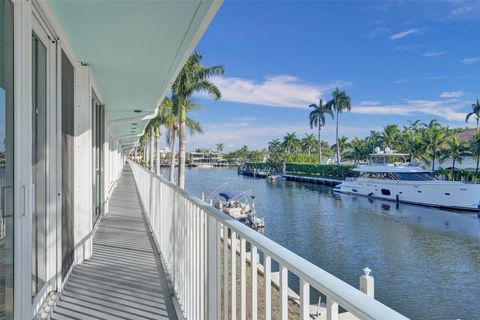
(443, 194)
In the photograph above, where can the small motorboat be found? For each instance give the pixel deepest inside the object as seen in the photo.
(241, 207)
(276, 177)
(205, 166)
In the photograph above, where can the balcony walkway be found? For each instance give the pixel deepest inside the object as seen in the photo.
(124, 278)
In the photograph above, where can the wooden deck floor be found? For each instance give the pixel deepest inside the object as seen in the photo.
(124, 278)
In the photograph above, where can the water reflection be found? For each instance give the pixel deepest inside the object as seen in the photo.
(460, 223)
(425, 261)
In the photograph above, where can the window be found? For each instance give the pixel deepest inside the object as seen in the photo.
(39, 165)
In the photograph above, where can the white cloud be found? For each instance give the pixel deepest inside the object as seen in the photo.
(461, 10)
(471, 60)
(400, 81)
(377, 32)
(436, 77)
(452, 94)
(369, 103)
(405, 33)
(276, 91)
(446, 109)
(433, 53)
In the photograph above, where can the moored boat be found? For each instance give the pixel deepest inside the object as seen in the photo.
(241, 207)
(405, 182)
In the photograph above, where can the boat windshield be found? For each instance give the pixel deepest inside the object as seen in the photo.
(405, 176)
(414, 176)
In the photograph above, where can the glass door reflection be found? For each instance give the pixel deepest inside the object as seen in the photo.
(6, 160)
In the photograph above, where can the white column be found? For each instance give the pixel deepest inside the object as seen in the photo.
(152, 147)
(157, 171)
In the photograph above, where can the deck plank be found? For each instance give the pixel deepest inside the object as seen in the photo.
(123, 279)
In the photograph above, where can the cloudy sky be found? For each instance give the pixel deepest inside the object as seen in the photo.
(397, 60)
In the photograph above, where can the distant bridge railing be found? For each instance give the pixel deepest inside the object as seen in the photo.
(199, 245)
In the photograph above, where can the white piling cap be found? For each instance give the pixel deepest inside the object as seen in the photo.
(366, 271)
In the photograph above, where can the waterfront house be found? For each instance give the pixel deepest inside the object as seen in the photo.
(87, 234)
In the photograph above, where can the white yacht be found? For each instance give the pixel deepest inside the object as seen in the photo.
(404, 182)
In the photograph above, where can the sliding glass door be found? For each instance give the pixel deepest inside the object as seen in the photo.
(6, 159)
(39, 164)
(98, 116)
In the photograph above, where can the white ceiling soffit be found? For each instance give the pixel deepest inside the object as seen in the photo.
(135, 50)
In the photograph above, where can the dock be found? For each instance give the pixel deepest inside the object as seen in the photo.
(263, 174)
(314, 180)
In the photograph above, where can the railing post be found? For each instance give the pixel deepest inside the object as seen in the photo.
(304, 300)
(332, 309)
(213, 299)
(367, 283)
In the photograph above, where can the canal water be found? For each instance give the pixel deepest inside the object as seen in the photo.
(426, 262)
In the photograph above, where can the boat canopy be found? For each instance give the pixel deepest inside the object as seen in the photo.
(229, 195)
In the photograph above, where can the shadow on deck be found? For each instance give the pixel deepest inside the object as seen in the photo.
(124, 279)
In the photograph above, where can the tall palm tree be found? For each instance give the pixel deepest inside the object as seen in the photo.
(475, 114)
(220, 147)
(456, 151)
(340, 102)
(194, 77)
(168, 117)
(317, 119)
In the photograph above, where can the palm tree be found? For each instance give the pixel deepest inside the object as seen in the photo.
(220, 147)
(167, 116)
(475, 149)
(475, 114)
(194, 77)
(274, 145)
(309, 142)
(290, 142)
(390, 135)
(340, 102)
(456, 151)
(412, 143)
(434, 137)
(358, 150)
(317, 119)
(342, 145)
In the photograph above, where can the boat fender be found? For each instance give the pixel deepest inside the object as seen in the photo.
(370, 194)
(397, 197)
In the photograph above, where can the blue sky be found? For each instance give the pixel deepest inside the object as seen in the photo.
(397, 60)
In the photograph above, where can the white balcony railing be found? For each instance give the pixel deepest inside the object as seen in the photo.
(199, 245)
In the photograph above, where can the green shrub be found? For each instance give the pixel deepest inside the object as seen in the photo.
(320, 170)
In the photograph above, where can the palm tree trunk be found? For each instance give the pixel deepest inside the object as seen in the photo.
(453, 170)
(338, 147)
(181, 147)
(433, 161)
(172, 156)
(319, 145)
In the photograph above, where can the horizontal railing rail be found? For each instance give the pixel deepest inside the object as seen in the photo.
(200, 246)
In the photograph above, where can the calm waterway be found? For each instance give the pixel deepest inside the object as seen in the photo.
(426, 262)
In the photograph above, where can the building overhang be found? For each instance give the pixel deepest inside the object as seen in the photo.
(135, 50)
